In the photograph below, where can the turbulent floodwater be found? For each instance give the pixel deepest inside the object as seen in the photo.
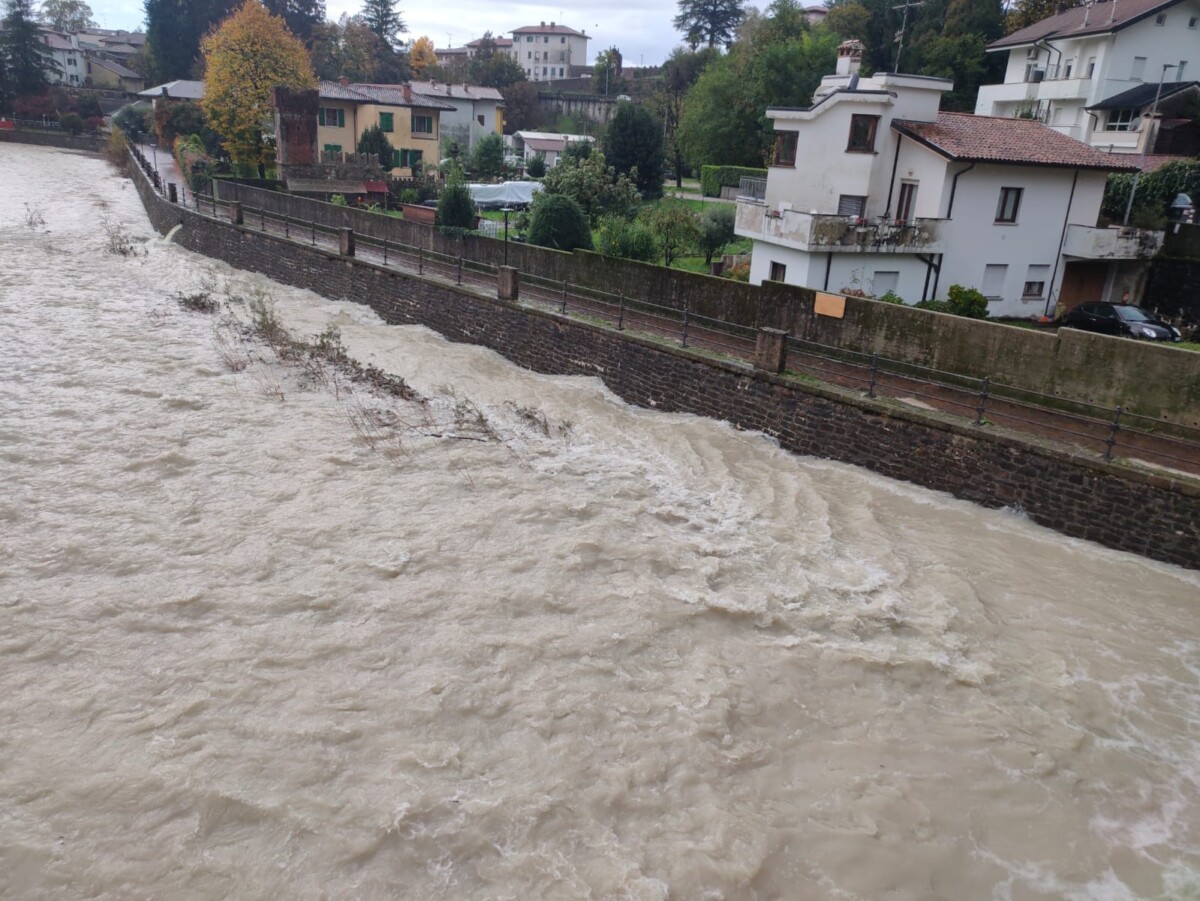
(249, 648)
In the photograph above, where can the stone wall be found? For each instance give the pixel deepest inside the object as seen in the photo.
(1077, 495)
(53, 138)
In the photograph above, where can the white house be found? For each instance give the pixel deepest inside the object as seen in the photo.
(477, 111)
(547, 52)
(69, 63)
(1064, 68)
(549, 146)
(874, 190)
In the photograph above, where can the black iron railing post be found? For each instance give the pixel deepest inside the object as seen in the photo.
(874, 375)
(287, 227)
(564, 298)
(1112, 434)
(262, 218)
(621, 314)
(385, 251)
(686, 318)
(421, 260)
(983, 396)
(459, 275)
(314, 232)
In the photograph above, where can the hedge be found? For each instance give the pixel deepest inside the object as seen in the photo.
(713, 178)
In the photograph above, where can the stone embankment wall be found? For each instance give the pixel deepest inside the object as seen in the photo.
(1152, 380)
(52, 138)
(1077, 495)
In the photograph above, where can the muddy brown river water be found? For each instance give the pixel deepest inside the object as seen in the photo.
(261, 639)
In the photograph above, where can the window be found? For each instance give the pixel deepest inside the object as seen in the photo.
(331, 117)
(387, 122)
(546, 39)
(1010, 203)
(529, 54)
(545, 71)
(992, 285)
(785, 148)
(529, 39)
(333, 148)
(1035, 282)
(1192, 22)
(562, 56)
(1120, 120)
(562, 40)
(422, 125)
(1070, 67)
(1139, 68)
(1160, 19)
(778, 272)
(1091, 67)
(851, 205)
(907, 202)
(479, 118)
(403, 159)
(862, 134)
(885, 282)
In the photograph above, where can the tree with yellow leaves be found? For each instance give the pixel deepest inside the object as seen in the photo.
(249, 54)
(421, 57)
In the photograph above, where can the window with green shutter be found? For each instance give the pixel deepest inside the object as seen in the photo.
(396, 164)
(387, 122)
(331, 117)
(333, 148)
(422, 125)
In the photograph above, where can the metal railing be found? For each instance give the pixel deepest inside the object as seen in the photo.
(1105, 431)
(752, 187)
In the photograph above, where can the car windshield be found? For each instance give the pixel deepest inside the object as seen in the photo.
(1135, 314)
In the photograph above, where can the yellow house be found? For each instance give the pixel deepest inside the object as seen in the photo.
(410, 122)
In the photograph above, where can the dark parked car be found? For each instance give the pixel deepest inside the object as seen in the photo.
(1120, 319)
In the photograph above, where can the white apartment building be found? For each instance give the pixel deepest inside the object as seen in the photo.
(547, 52)
(477, 111)
(548, 145)
(1064, 69)
(874, 190)
(70, 64)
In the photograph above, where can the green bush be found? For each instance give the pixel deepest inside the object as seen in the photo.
(455, 207)
(629, 240)
(409, 195)
(71, 122)
(716, 230)
(713, 178)
(487, 160)
(890, 297)
(374, 141)
(536, 167)
(558, 221)
(959, 301)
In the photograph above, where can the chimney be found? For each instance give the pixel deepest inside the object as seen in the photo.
(849, 57)
(407, 90)
(543, 24)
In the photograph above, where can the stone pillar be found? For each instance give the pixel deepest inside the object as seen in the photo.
(770, 350)
(508, 285)
(235, 213)
(172, 196)
(346, 242)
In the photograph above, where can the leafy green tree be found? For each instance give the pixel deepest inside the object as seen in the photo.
(606, 73)
(594, 186)
(960, 301)
(491, 68)
(676, 227)
(633, 144)
(248, 55)
(71, 122)
(709, 22)
(522, 110)
(374, 140)
(25, 61)
(301, 16)
(383, 18)
(679, 73)
(349, 49)
(716, 230)
(618, 237)
(66, 15)
(558, 221)
(487, 159)
(536, 167)
(455, 207)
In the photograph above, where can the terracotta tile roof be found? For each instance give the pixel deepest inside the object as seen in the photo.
(1148, 162)
(1102, 18)
(498, 42)
(1019, 142)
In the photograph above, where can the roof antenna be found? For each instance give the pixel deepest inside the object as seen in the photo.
(908, 4)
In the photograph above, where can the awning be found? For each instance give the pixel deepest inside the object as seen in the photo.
(376, 187)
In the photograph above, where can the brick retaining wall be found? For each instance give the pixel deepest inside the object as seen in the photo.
(1080, 496)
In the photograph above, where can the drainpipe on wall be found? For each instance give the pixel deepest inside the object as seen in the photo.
(954, 188)
(828, 266)
(1061, 240)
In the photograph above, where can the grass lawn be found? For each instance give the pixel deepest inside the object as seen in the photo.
(1189, 345)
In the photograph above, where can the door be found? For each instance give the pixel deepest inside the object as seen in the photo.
(1082, 282)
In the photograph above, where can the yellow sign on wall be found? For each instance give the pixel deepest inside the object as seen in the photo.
(832, 305)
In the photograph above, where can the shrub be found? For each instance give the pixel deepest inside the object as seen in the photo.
(676, 227)
(194, 162)
(536, 167)
(558, 221)
(716, 230)
(890, 297)
(409, 195)
(338, 200)
(455, 207)
(629, 240)
(374, 141)
(93, 124)
(713, 178)
(739, 272)
(71, 122)
(487, 159)
(960, 301)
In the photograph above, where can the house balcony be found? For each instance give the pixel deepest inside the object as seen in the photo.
(1113, 243)
(1011, 92)
(828, 233)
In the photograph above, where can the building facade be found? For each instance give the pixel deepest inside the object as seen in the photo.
(476, 111)
(1064, 69)
(548, 51)
(874, 191)
(410, 121)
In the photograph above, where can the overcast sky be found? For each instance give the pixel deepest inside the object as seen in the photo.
(641, 29)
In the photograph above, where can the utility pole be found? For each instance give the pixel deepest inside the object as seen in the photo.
(1153, 116)
(906, 6)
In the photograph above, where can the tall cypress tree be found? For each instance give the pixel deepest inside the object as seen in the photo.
(173, 32)
(25, 60)
(301, 16)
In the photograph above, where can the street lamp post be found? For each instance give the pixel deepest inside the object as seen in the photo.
(1153, 116)
(506, 210)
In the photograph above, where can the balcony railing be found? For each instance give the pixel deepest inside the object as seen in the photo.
(1115, 243)
(752, 188)
(828, 233)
